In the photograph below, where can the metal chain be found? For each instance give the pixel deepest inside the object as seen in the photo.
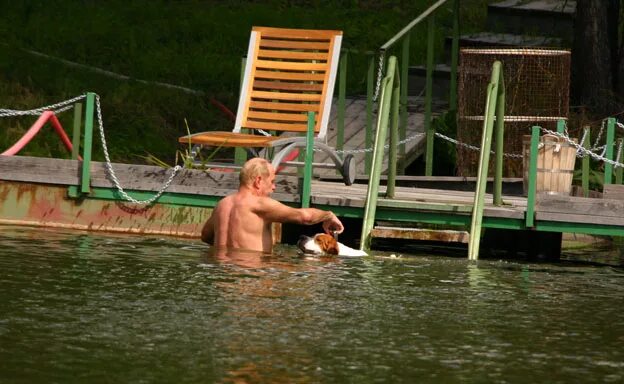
(473, 147)
(111, 172)
(57, 108)
(382, 55)
(583, 150)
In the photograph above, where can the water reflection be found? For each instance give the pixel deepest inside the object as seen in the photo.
(86, 307)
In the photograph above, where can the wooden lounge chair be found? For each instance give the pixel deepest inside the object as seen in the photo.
(288, 73)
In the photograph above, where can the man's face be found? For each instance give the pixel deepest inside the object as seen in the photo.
(267, 184)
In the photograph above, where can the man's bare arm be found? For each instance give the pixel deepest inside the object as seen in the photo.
(274, 211)
(207, 234)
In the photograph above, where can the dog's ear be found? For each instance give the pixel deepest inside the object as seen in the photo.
(328, 244)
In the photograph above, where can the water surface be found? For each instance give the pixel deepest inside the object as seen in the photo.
(85, 307)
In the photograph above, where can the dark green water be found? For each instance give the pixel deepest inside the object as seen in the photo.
(78, 307)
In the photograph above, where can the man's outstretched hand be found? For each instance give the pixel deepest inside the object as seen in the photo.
(333, 225)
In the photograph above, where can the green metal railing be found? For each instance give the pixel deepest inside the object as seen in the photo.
(388, 105)
(494, 111)
(375, 74)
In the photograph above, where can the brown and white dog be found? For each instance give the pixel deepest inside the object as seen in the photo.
(324, 244)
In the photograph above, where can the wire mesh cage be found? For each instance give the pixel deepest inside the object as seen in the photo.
(537, 83)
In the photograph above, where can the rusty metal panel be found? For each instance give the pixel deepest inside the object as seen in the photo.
(48, 205)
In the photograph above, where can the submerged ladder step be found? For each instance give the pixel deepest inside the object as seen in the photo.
(441, 235)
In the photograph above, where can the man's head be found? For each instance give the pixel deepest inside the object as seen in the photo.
(258, 175)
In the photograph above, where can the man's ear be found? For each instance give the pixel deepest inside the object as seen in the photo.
(257, 181)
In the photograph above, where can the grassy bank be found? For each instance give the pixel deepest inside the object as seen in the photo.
(191, 43)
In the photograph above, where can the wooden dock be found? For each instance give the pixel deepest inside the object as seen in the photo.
(355, 131)
(34, 192)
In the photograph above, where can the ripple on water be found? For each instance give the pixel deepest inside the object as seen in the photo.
(144, 308)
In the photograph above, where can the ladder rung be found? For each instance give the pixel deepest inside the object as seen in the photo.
(442, 235)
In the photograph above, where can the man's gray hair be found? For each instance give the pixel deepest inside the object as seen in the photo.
(253, 168)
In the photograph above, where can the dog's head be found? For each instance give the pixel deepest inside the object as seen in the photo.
(320, 244)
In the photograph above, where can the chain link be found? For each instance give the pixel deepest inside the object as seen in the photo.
(584, 151)
(111, 172)
(380, 65)
(474, 147)
(56, 108)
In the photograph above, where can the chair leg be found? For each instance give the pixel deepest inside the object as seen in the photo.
(346, 167)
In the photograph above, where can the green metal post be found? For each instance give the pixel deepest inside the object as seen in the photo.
(484, 159)
(608, 172)
(585, 162)
(240, 155)
(370, 90)
(342, 95)
(618, 170)
(394, 136)
(500, 139)
(428, 98)
(378, 154)
(561, 126)
(72, 190)
(454, 58)
(530, 210)
(76, 131)
(85, 180)
(403, 108)
(306, 188)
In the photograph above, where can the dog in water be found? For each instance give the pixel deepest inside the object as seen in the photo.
(323, 244)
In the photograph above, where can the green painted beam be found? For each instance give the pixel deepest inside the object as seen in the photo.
(608, 168)
(307, 168)
(530, 211)
(586, 228)
(85, 178)
(165, 198)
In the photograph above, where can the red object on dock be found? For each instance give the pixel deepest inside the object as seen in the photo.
(35, 128)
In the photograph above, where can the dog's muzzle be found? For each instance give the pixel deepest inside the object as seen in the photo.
(301, 244)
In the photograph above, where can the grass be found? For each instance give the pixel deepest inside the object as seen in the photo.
(191, 43)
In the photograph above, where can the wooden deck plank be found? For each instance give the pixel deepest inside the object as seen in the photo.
(355, 133)
(564, 209)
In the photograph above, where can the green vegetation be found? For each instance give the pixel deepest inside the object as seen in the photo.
(191, 43)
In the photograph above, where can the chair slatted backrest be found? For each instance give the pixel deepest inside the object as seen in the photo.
(288, 73)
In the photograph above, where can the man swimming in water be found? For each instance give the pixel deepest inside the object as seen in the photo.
(243, 220)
